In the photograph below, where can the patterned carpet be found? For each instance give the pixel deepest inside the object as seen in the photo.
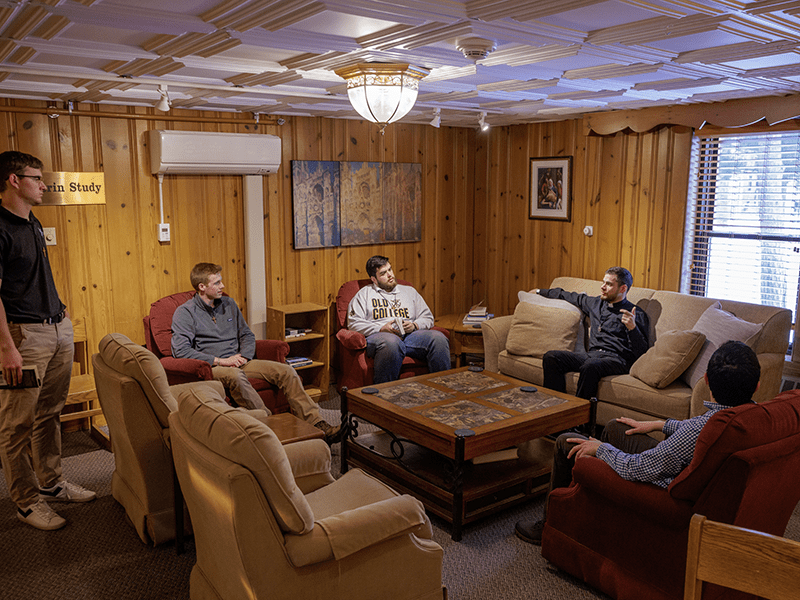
(98, 555)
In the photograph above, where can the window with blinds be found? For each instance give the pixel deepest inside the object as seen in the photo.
(743, 221)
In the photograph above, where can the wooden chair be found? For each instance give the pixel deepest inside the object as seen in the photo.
(741, 559)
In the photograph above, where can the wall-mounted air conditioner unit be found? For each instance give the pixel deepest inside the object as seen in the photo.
(201, 153)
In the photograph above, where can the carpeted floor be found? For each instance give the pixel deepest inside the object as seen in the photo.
(98, 555)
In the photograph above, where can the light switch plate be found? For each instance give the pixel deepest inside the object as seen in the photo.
(50, 236)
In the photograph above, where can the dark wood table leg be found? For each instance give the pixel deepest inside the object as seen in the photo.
(458, 484)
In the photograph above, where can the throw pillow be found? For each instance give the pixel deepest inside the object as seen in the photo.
(719, 327)
(669, 357)
(534, 298)
(536, 329)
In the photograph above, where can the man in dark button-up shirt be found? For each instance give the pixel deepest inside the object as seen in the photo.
(618, 336)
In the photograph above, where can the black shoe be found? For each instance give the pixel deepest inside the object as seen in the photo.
(530, 531)
(332, 434)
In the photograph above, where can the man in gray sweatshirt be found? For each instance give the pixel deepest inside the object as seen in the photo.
(211, 327)
(396, 322)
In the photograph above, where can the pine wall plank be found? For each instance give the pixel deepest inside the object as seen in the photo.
(477, 240)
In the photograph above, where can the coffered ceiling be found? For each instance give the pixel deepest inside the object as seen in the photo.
(518, 61)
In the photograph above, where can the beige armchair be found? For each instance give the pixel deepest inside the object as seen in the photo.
(136, 400)
(271, 522)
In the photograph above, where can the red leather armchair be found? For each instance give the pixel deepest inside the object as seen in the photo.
(158, 339)
(354, 368)
(629, 539)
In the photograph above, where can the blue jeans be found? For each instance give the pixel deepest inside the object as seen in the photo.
(388, 351)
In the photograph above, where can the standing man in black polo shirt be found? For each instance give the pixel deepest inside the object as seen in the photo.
(35, 329)
(618, 336)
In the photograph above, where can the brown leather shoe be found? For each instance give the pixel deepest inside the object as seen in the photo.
(332, 434)
(530, 531)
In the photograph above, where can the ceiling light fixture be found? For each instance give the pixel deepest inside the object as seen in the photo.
(382, 92)
(437, 117)
(163, 103)
(482, 122)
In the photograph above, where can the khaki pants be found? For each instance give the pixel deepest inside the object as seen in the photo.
(30, 429)
(279, 374)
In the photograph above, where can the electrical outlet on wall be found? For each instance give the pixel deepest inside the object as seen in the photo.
(163, 232)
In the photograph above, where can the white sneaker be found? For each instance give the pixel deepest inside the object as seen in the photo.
(64, 491)
(41, 516)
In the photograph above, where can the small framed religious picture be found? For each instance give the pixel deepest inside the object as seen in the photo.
(551, 188)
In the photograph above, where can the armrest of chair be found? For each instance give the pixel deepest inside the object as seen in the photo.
(650, 501)
(351, 340)
(495, 332)
(356, 529)
(441, 330)
(311, 464)
(182, 370)
(275, 350)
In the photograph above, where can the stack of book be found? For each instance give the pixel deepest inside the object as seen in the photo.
(299, 361)
(477, 315)
(292, 332)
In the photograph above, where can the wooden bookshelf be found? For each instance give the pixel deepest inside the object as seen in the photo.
(314, 343)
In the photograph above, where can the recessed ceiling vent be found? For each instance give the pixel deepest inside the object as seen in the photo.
(475, 48)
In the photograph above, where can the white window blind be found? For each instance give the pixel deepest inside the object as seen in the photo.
(743, 221)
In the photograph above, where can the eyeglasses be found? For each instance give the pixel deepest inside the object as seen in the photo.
(34, 177)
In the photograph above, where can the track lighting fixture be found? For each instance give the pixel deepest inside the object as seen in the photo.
(163, 103)
(437, 117)
(482, 122)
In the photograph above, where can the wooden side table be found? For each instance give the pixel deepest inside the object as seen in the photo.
(464, 339)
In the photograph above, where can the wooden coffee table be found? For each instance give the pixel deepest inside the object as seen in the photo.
(432, 426)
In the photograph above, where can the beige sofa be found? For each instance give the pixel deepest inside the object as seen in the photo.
(626, 395)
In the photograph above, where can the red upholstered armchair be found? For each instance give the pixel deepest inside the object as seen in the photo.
(158, 339)
(355, 369)
(629, 539)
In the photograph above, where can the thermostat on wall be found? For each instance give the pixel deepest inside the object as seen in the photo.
(163, 232)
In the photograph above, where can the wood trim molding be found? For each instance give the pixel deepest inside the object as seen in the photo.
(733, 113)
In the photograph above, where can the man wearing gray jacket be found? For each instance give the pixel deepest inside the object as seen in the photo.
(396, 322)
(210, 327)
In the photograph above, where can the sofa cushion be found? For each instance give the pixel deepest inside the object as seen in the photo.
(671, 355)
(534, 298)
(243, 439)
(537, 328)
(138, 363)
(719, 327)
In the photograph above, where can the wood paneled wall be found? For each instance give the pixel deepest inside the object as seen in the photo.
(478, 242)
(109, 265)
(631, 188)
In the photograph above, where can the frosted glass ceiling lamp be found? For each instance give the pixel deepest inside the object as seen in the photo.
(382, 92)
(163, 104)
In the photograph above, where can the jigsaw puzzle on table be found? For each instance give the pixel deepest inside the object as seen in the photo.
(463, 413)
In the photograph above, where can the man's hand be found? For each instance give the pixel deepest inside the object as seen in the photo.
(583, 447)
(629, 318)
(237, 360)
(11, 361)
(409, 326)
(640, 426)
(390, 328)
